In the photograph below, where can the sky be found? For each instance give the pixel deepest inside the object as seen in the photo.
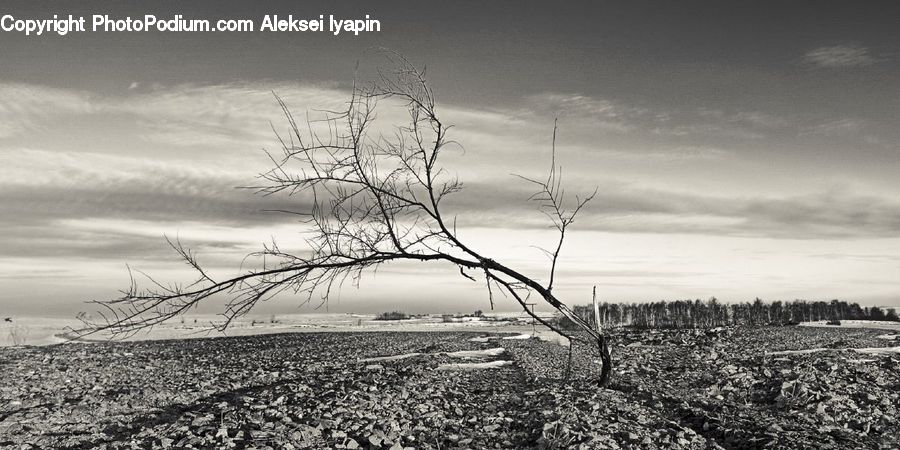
(739, 149)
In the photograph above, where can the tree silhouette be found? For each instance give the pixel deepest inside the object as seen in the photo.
(376, 198)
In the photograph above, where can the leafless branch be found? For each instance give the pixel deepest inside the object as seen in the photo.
(376, 198)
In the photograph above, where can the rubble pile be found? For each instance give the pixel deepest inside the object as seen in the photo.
(695, 389)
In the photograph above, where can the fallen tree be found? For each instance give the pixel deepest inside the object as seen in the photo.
(375, 199)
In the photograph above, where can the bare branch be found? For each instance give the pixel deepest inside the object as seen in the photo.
(375, 198)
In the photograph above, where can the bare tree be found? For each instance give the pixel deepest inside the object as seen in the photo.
(376, 198)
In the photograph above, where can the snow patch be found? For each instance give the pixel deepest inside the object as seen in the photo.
(477, 353)
(521, 336)
(799, 352)
(878, 350)
(867, 351)
(474, 366)
(390, 358)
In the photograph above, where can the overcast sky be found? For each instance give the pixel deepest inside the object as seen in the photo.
(741, 150)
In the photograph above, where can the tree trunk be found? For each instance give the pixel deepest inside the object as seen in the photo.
(606, 370)
(602, 344)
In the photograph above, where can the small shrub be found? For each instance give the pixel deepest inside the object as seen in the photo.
(18, 335)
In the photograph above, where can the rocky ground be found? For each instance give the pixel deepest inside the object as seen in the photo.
(676, 389)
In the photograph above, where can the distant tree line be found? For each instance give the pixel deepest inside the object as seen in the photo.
(712, 313)
(392, 315)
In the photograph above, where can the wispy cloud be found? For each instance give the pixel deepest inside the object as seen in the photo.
(835, 128)
(605, 116)
(25, 107)
(625, 208)
(236, 118)
(59, 190)
(602, 114)
(102, 206)
(233, 114)
(84, 185)
(838, 56)
(852, 131)
(128, 167)
(668, 154)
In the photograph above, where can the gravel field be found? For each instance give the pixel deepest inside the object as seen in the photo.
(672, 389)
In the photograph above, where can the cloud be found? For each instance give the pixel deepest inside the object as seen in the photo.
(624, 208)
(838, 56)
(224, 120)
(53, 202)
(52, 195)
(220, 116)
(604, 114)
(105, 206)
(669, 154)
(28, 107)
(66, 185)
(835, 128)
(699, 127)
(847, 131)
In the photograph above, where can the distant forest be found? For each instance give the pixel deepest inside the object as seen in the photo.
(712, 313)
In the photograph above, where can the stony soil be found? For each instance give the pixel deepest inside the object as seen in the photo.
(679, 389)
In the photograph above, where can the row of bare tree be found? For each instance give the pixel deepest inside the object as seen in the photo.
(713, 313)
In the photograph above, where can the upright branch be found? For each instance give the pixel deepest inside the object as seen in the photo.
(375, 198)
(550, 196)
